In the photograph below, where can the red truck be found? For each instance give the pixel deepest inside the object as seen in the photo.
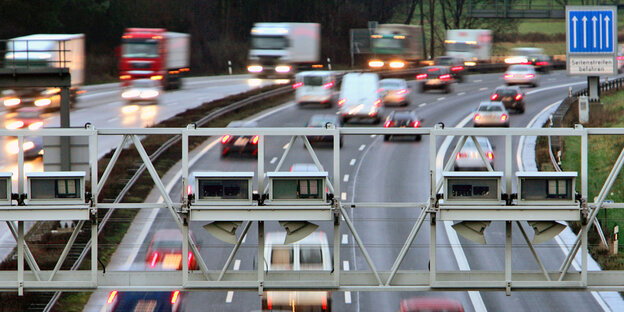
(154, 53)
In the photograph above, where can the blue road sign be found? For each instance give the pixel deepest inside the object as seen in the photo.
(591, 31)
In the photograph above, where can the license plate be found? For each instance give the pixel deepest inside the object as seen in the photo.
(172, 261)
(241, 141)
(507, 98)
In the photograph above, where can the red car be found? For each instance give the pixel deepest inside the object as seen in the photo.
(423, 304)
(165, 251)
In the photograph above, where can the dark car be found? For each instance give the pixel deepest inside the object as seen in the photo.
(161, 301)
(435, 78)
(455, 63)
(240, 144)
(402, 119)
(165, 251)
(512, 98)
(321, 121)
(541, 62)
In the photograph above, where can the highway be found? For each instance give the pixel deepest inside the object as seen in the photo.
(375, 171)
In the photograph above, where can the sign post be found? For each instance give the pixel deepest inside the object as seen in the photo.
(591, 44)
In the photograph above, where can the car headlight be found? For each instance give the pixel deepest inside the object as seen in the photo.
(282, 68)
(15, 125)
(12, 102)
(149, 94)
(130, 94)
(254, 68)
(43, 102)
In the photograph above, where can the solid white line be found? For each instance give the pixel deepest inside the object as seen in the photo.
(113, 119)
(345, 265)
(422, 104)
(352, 162)
(286, 146)
(461, 93)
(373, 135)
(362, 147)
(346, 178)
(228, 298)
(519, 162)
(244, 239)
(343, 196)
(273, 160)
(345, 239)
(237, 263)
(441, 98)
(483, 89)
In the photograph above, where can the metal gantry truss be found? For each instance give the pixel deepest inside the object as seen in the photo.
(333, 210)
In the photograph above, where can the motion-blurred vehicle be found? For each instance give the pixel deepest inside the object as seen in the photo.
(469, 158)
(282, 49)
(304, 167)
(360, 97)
(395, 91)
(424, 304)
(165, 251)
(322, 121)
(142, 91)
(395, 46)
(530, 56)
(512, 98)
(402, 119)
(492, 114)
(24, 117)
(471, 45)
(435, 78)
(309, 254)
(161, 301)
(240, 144)
(455, 63)
(521, 74)
(33, 147)
(316, 87)
(156, 54)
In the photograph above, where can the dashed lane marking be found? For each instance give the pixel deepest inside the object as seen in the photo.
(345, 265)
(273, 160)
(228, 298)
(352, 162)
(362, 147)
(461, 93)
(422, 104)
(346, 178)
(483, 89)
(237, 263)
(373, 135)
(345, 239)
(343, 196)
(441, 98)
(478, 80)
(285, 146)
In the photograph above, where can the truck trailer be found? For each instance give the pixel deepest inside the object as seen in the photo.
(44, 51)
(283, 49)
(396, 46)
(471, 45)
(154, 53)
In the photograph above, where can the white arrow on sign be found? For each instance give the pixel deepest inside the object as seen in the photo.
(584, 19)
(607, 19)
(594, 19)
(574, 20)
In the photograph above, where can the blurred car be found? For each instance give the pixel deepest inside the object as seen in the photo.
(321, 121)
(512, 98)
(311, 253)
(303, 167)
(491, 114)
(24, 117)
(240, 144)
(435, 78)
(142, 90)
(165, 251)
(161, 301)
(424, 304)
(360, 97)
(530, 56)
(315, 87)
(33, 147)
(468, 158)
(395, 91)
(455, 63)
(402, 119)
(620, 62)
(521, 74)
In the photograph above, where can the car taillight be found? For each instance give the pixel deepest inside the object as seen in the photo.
(269, 301)
(529, 76)
(175, 296)
(477, 117)
(328, 85)
(111, 296)
(456, 68)
(255, 139)
(154, 259)
(415, 123)
(225, 138)
(189, 190)
(507, 76)
(388, 124)
(518, 97)
(445, 77)
(541, 63)
(341, 101)
(433, 69)
(402, 91)
(460, 155)
(421, 76)
(490, 155)
(324, 303)
(190, 258)
(620, 58)
(377, 103)
(503, 117)
(494, 97)
(297, 85)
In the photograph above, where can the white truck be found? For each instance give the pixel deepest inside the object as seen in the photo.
(44, 50)
(471, 45)
(282, 49)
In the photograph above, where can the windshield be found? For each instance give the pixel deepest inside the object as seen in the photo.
(391, 84)
(519, 68)
(320, 121)
(140, 48)
(490, 108)
(506, 92)
(444, 61)
(315, 81)
(459, 47)
(388, 43)
(269, 42)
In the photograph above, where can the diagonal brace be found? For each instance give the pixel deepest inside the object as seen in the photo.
(359, 242)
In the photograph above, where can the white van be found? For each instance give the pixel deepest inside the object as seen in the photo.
(315, 87)
(309, 254)
(361, 97)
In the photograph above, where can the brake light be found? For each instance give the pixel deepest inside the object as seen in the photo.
(507, 76)
(518, 97)
(269, 301)
(157, 77)
(494, 97)
(190, 258)
(529, 76)
(620, 58)
(416, 124)
(328, 85)
(297, 85)
(324, 302)
(111, 296)
(490, 155)
(525, 63)
(460, 155)
(189, 190)
(388, 124)
(377, 103)
(421, 76)
(445, 77)
(225, 138)
(456, 68)
(154, 259)
(341, 101)
(477, 117)
(402, 91)
(125, 77)
(541, 63)
(175, 296)
(255, 139)
(433, 69)
(503, 117)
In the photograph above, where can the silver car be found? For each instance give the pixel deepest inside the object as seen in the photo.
(468, 157)
(395, 91)
(521, 74)
(492, 114)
